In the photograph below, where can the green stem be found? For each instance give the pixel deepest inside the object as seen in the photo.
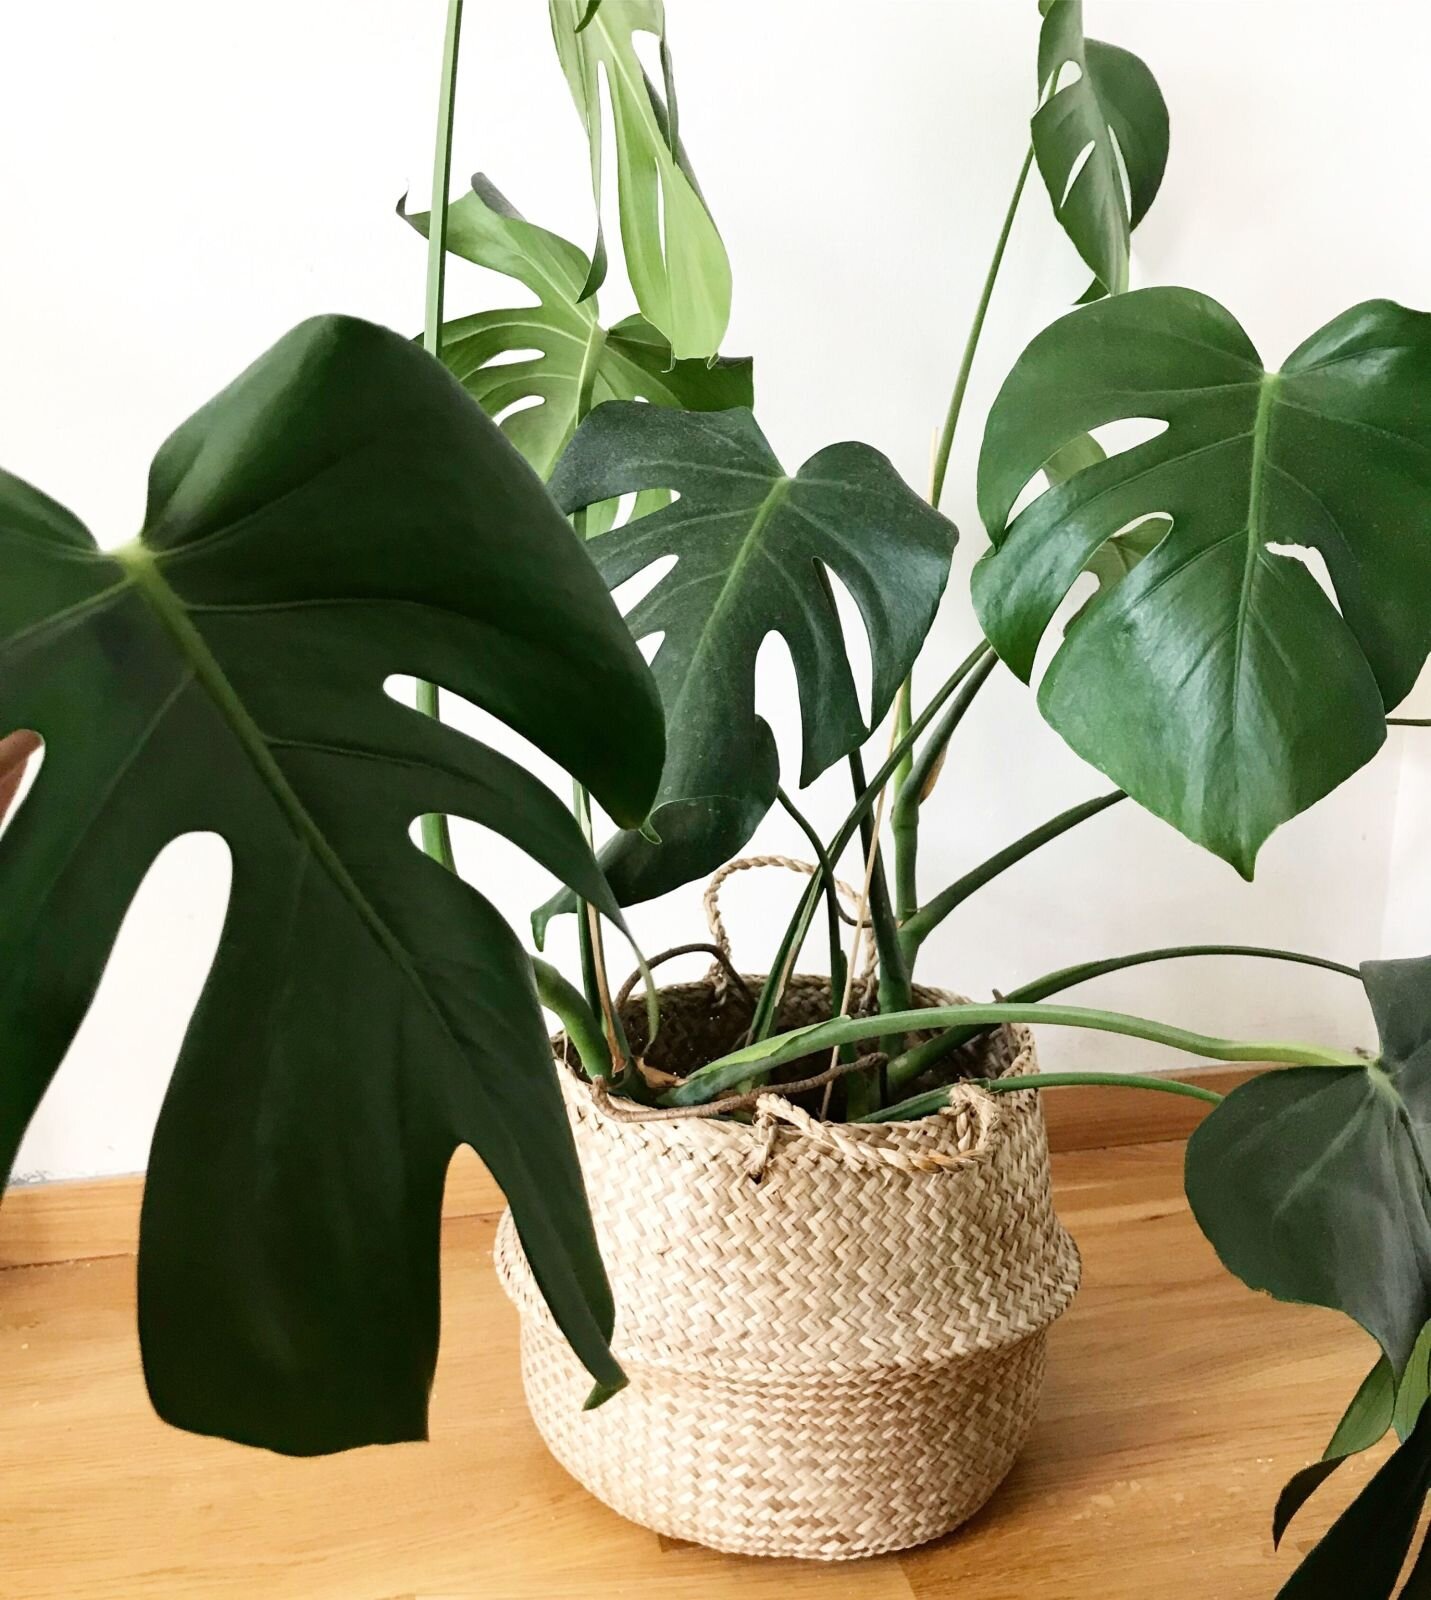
(826, 872)
(909, 797)
(971, 344)
(757, 1061)
(924, 1105)
(436, 836)
(1408, 722)
(578, 1019)
(929, 916)
(919, 1060)
(906, 821)
(906, 839)
(799, 924)
(893, 968)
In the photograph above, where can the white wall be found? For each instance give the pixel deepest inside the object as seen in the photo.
(184, 182)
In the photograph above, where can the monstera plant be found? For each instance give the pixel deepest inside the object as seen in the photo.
(345, 512)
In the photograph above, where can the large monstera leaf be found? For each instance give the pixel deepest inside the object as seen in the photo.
(1217, 683)
(751, 543)
(1106, 116)
(578, 363)
(1314, 1184)
(674, 256)
(339, 514)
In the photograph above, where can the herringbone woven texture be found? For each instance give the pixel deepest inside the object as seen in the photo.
(839, 1359)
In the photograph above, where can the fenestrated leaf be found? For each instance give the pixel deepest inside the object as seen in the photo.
(674, 256)
(1113, 561)
(1362, 1555)
(1112, 108)
(341, 513)
(1311, 1182)
(750, 543)
(1217, 683)
(579, 360)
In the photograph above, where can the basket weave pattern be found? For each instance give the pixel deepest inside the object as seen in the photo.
(838, 1358)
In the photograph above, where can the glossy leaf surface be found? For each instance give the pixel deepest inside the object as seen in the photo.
(1312, 1182)
(750, 543)
(339, 514)
(1216, 682)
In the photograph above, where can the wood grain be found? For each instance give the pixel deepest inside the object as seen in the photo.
(1177, 1404)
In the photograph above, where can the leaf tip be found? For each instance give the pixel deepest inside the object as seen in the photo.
(602, 1392)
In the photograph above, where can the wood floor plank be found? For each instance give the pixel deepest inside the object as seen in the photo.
(1177, 1404)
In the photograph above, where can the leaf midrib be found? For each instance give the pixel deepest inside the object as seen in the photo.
(143, 571)
(749, 546)
(1261, 430)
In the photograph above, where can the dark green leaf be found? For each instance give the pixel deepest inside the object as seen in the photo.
(1311, 1182)
(1113, 108)
(1113, 561)
(579, 362)
(1363, 1424)
(339, 514)
(1362, 1555)
(674, 256)
(750, 543)
(1217, 683)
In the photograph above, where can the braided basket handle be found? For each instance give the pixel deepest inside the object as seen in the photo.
(721, 939)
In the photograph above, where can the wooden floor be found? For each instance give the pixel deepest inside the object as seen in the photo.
(1177, 1404)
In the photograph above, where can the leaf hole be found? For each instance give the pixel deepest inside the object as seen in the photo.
(856, 641)
(1127, 433)
(22, 754)
(1315, 563)
(525, 403)
(1064, 76)
(777, 698)
(630, 593)
(1080, 161)
(510, 358)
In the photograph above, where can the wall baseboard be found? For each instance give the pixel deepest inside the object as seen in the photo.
(45, 1224)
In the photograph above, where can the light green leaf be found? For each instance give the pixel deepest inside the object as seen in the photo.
(579, 363)
(339, 514)
(751, 544)
(1216, 682)
(1113, 108)
(674, 256)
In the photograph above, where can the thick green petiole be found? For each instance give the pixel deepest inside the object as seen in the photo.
(436, 836)
(930, 915)
(757, 1061)
(578, 1020)
(799, 925)
(925, 1105)
(919, 1060)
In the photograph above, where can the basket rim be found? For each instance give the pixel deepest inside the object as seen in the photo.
(1022, 1061)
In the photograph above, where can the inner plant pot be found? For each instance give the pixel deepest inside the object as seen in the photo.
(834, 1332)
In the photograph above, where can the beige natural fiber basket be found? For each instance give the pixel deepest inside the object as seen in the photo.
(834, 1333)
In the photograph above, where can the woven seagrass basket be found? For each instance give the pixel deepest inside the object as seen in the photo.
(834, 1333)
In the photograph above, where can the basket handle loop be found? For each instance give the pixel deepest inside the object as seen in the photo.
(719, 979)
(974, 1113)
